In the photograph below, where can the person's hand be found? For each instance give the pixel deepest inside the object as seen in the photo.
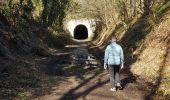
(105, 66)
(121, 66)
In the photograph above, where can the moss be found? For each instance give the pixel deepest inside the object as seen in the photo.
(2, 51)
(53, 78)
(22, 96)
(57, 39)
(27, 81)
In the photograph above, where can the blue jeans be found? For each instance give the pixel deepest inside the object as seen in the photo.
(114, 74)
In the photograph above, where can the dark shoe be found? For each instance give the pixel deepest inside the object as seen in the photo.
(119, 86)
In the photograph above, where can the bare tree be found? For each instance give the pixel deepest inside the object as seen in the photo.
(147, 6)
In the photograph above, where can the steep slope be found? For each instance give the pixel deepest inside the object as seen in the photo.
(151, 58)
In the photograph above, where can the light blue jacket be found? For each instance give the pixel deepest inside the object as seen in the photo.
(113, 54)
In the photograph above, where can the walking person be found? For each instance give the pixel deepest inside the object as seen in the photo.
(114, 59)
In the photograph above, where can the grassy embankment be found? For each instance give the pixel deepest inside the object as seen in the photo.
(147, 48)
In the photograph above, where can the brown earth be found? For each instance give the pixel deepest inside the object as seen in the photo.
(93, 84)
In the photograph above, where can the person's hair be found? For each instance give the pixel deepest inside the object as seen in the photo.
(114, 38)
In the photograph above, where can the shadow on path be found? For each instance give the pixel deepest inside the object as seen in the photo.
(71, 95)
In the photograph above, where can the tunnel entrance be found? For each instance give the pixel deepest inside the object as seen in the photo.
(80, 32)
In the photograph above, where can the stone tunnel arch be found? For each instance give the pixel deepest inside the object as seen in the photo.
(80, 32)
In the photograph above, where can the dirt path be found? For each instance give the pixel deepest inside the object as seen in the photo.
(97, 88)
(92, 83)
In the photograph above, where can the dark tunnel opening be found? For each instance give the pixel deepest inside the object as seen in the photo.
(80, 32)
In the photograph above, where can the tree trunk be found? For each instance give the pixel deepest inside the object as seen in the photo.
(147, 7)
